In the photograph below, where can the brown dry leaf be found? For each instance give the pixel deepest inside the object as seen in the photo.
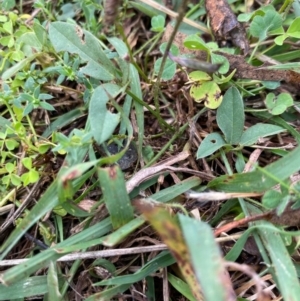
(225, 25)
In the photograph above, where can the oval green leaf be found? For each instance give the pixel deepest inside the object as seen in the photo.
(259, 130)
(209, 145)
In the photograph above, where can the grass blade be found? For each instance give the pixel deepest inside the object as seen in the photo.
(284, 272)
(171, 234)
(24, 270)
(205, 257)
(115, 195)
(259, 181)
(33, 286)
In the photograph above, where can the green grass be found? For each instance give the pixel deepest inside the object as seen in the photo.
(76, 81)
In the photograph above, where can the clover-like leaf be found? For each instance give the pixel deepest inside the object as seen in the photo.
(261, 25)
(199, 76)
(169, 68)
(222, 61)
(278, 104)
(294, 29)
(194, 42)
(209, 92)
(157, 23)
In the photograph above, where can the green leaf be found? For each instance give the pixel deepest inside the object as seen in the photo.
(10, 167)
(81, 240)
(205, 257)
(169, 68)
(121, 233)
(278, 110)
(209, 92)
(261, 25)
(27, 162)
(160, 261)
(210, 144)
(8, 27)
(174, 49)
(29, 38)
(194, 42)
(11, 144)
(170, 193)
(294, 28)
(145, 9)
(68, 37)
(259, 180)
(171, 233)
(220, 59)
(135, 86)
(281, 122)
(271, 199)
(280, 39)
(115, 196)
(278, 104)
(181, 287)
(52, 281)
(199, 76)
(231, 116)
(284, 272)
(119, 45)
(10, 72)
(157, 23)
(103, 122)
(33, 176)
(33, 286)
(47, 106)
(259, 130)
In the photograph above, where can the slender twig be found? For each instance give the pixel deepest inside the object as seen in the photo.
(259, 283)
(174, 15)
(111, 252)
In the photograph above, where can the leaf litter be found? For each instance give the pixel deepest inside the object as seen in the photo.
(174, 165)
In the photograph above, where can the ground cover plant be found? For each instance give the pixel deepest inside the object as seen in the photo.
(149, 150)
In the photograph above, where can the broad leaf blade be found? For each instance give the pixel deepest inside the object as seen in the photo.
(71, 38)
(210, 144)
(231, 116)
(103, 122)
(259, 130)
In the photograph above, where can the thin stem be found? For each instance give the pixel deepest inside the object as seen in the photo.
(177, 134)
(156, 85)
